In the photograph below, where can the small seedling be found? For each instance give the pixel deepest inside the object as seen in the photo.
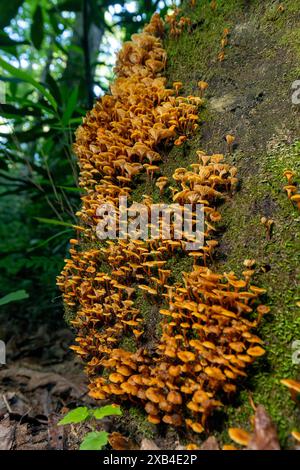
(94, 440)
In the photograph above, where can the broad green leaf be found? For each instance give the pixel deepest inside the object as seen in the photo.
(107, 410)
(14, 296)
(70, 107)
(75, 416)
(94, 440)
(8, 10)
(54, 222)
(26, 77)
(37, 27)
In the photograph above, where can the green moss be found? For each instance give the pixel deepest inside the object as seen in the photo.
(128, 343)
(261, 194)
(191, 58)
(139, 420)
(197, 52)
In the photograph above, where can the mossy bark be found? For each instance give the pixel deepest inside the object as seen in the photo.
(250, 96)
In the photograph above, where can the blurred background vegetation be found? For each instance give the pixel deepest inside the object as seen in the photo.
(56, 59)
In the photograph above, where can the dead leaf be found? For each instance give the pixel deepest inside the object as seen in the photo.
(55, 433)
(120, 442)
(7, 431)
(148, 444)
(34, 379)
(264, 436)
(211, 443)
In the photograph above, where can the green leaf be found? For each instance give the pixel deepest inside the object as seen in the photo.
(45, 242)
(94, 440)
(54, 222)
(37, 27)
(26, 77)
(107, 410)
(8, 11)
(71, 105)
(53, 87)
(14, 296)
(75, 416)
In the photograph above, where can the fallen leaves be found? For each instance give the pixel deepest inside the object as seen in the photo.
(264, 436)
(7, 431)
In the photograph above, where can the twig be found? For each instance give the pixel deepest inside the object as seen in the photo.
(7, 404)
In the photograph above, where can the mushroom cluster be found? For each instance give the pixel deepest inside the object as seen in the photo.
(207, 321)
(178, 23)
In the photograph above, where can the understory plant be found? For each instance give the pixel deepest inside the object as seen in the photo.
(93, 440)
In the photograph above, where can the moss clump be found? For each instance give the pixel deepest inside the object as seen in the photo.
(142, 427)
(278, 263)
(197, 52)
(128, 343)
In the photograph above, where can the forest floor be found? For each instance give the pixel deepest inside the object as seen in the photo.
(41, 381)
(249, 96)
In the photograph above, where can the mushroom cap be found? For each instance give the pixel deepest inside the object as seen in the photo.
(165, 406)
(174, 371)
(153, 419)
(202, 85)
(214, 373)
(151, 409)
(116, 378)
(229, 139)
(256, 351)
(174, 419)
(153, 395)
(196, 427)
(186, 356)
(192, 447)
(263, 309)
(174, 397)
(291, 384)
(240, 436)
(296, 435)
(123, 370)
(249, 263)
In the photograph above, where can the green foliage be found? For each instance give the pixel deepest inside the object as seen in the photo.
(8, 10)
(37, 27)
(94, 440)
(107, 410)
(75, 416)
(26, 77)
(45, 64)
(13, 297)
